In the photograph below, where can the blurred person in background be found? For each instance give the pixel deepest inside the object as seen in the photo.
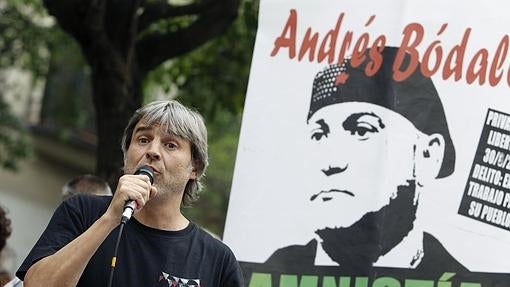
(5, 232)
(86, 183)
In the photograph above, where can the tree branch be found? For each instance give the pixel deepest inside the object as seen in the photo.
(155, 11)
(155, 48)
(82, 19)
(106, 30)
(121, 22)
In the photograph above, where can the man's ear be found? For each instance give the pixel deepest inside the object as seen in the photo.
(429, 157)
(193, 169)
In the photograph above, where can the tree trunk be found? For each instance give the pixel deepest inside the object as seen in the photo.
(115, 98)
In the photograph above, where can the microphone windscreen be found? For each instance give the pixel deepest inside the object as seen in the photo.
(146, 170)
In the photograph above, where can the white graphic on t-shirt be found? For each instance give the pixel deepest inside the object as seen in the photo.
(174, 281)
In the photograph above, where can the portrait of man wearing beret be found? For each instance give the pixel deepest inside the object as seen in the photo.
(376, 145)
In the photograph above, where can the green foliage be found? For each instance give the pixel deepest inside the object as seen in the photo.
(213, 79)
(30, 41)
(168, 25)
(67, 103)
(211, 208)
(27, 34)
(14, 143)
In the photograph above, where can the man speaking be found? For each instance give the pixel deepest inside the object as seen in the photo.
(159, 246)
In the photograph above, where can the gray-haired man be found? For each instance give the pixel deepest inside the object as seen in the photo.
(159, 246)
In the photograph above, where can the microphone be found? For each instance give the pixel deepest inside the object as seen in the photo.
(130, 205)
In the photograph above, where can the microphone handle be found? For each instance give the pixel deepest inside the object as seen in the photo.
(129, 208)
(130, 205)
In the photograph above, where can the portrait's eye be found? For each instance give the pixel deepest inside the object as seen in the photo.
(318, 135)
(321, 131)
(363, 130)
(363, 125)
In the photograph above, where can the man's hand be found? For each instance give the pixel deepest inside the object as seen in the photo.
(130, 187)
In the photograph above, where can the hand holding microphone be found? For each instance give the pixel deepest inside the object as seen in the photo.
(131, 205)
(130, 187)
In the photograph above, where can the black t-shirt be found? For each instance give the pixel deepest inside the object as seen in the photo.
(146, 256)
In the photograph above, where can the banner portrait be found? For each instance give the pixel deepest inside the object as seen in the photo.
(375, 146)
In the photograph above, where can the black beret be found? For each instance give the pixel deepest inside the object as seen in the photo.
(415, 97)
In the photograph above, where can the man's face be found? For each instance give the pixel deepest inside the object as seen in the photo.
(167, 154)
(360, 154)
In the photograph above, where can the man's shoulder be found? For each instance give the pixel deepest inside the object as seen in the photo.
(88, 205)
(89, 200)
(211, 241)
(208, 237)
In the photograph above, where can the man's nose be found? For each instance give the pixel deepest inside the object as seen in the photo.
(335, 153)
(153, 152)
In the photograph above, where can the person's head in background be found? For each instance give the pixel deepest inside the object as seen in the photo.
(5, 228)
(5, 232)
(86, 183)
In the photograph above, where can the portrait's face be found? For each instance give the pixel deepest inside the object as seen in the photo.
(360, 154)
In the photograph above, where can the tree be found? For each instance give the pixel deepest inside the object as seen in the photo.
(122, 41)
(211, 78)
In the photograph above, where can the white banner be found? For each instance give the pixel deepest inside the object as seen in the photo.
(375, 140)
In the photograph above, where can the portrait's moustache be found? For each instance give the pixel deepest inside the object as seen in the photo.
(313, 197)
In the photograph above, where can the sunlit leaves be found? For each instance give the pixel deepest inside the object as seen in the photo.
(14, 142)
